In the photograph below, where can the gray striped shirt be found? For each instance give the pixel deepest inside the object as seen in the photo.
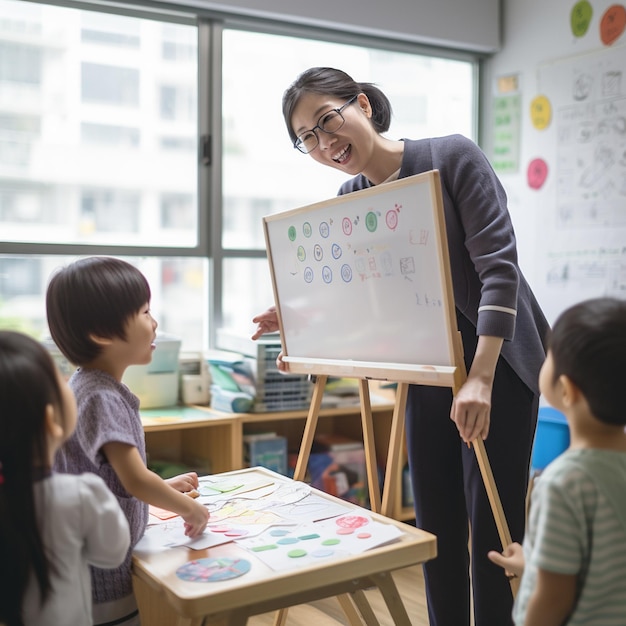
(577, 525)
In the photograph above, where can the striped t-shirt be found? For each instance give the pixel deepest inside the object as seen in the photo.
(577, 525)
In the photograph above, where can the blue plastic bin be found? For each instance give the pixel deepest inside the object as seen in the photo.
(551, 438)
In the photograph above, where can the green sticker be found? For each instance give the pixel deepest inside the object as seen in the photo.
(296, 554)
(580, 18)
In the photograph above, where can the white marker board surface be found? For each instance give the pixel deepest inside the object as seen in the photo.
(363, 279)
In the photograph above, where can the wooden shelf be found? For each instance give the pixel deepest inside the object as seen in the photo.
(213, 440)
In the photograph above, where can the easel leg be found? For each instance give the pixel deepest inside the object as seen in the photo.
(394, 454)
(494, 500)
(369, 445)
(305, 453)
(309, 428)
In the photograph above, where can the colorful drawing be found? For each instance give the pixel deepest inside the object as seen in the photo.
(212, 570)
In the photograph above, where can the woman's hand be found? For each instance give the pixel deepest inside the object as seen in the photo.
(266, 322)
(471, 407)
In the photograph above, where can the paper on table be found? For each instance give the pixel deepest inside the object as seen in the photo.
(171, 534)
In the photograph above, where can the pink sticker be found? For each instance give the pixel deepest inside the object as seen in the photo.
(352, 521)
(537, 173)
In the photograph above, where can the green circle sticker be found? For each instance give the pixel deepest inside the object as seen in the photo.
(371, 221)
(291, 233)
(580, 18)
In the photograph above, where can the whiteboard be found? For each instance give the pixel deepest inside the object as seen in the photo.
(362, 284)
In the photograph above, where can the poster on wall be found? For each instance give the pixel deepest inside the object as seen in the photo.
(582, 238)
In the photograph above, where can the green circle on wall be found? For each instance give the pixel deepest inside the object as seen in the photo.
(580, 18)
(291, 233)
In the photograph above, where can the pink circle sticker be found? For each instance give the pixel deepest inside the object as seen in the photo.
(537, 173)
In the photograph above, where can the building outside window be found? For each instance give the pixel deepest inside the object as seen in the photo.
(101, 151)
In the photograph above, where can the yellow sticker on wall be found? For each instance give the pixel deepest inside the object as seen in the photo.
(540, 112)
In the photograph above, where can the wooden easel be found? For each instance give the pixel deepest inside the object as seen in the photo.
(416, 233)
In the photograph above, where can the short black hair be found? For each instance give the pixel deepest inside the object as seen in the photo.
(93, 296)
(588, 345)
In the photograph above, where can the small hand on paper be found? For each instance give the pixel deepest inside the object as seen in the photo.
(184, 482)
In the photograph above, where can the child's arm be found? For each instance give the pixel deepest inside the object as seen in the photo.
(512, 559)
(552, 600)
(146, 486)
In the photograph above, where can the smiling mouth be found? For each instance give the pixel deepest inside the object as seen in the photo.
(343, 155)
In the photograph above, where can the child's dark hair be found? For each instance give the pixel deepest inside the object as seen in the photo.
(328, 81)
(588, 345)
(93, 296)
(28, 384)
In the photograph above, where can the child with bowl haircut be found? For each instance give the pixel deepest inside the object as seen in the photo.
(99, 317)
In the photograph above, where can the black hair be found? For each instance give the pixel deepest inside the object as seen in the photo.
(333, 82)
(28, 384)
(93, 296)
(588, 345)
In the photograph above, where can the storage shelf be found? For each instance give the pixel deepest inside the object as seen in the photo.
(203, 437)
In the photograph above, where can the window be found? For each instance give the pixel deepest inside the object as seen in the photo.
(100, 127)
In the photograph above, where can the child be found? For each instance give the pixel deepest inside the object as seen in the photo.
(52, 526)
(99, 317)
(575, 546)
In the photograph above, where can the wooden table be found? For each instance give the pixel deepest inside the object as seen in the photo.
(165, 599)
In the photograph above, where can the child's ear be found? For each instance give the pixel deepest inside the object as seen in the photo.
(53, 428)
(101, 341)
(571, 393)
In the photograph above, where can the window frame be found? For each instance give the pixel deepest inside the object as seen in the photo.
(211, 24)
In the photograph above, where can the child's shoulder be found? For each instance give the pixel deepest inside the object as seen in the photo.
(576, 468)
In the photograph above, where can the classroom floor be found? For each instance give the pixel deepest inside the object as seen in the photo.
(410, 583)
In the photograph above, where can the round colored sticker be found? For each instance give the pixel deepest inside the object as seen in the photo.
(540, 112)
(285, 541)
(580, 18)
(537, 173)
(322, 552)
(212, 570)
(612, 24)
(352, 521)
(297, 553)
(330, 542)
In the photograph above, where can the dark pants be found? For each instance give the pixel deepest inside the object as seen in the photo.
(449, 490)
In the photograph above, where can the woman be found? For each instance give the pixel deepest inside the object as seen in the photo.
(340, 122)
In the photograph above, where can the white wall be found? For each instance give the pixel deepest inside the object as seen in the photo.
(466, 24)
(537, 35)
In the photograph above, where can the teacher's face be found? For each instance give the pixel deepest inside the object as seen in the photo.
(350, 148)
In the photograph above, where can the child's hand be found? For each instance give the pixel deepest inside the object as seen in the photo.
(512, 560)
(196, 521)
(184, 482)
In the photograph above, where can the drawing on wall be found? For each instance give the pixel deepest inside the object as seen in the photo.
(582, 238)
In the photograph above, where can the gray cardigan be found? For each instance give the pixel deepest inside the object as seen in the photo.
(489, 287)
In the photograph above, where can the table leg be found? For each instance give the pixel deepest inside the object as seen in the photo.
(349, 610)
(384, 581)
(365, 608)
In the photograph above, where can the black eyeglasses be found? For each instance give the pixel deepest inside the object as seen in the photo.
(329, 123)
